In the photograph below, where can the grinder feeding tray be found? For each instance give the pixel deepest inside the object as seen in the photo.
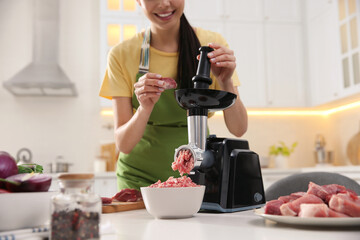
(228, 169)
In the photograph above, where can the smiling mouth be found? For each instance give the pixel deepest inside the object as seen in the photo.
(164, 15)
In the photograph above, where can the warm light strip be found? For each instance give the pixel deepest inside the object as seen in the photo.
(282, 112)
(107, 112)
(286, 113)
(343, 108)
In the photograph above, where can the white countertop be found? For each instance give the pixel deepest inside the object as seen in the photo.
(139, 224)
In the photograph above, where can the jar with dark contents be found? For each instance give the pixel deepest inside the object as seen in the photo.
(75, 211)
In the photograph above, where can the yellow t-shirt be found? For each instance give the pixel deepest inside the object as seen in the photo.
(124, 58)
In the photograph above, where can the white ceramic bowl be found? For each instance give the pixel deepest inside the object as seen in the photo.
(180, 202)
(24, 210)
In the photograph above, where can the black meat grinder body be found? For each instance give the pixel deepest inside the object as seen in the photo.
(230, 171)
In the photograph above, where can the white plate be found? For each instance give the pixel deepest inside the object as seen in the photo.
(315, 221)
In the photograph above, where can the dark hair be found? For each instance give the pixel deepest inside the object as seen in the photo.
(189, 46)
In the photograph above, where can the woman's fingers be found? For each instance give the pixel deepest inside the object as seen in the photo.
(223, 58)
(220, 53)
(149, 88)
(231, 65)
(149, 82)
(151, 79)
(144, 89)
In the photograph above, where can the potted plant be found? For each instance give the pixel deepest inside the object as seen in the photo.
(281, 153)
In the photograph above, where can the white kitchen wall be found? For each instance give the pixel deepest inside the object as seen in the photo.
(264, 131)
(51, 126)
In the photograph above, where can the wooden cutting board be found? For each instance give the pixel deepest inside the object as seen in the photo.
(122, 206)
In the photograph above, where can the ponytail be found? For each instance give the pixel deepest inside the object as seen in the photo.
(189, 46)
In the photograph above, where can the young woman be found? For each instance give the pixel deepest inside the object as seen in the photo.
(149, 124)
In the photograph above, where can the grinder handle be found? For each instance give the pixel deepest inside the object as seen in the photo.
(202, 78)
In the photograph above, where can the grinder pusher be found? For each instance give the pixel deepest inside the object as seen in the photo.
(224, 166)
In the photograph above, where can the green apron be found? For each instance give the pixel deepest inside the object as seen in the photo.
(151, 158)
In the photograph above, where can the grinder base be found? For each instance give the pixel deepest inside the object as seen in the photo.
(234, 182)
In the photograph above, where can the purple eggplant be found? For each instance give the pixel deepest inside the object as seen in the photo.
(28, 182)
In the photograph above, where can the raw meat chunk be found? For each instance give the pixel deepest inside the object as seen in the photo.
(326, 191)
(298, 194)
(344, 203)
(184, 162)
(273, 207)
(291, 197)
(169, 83)
(288, 198)
(293, 208)
(106, 200)
(318, 210)
(127, 195)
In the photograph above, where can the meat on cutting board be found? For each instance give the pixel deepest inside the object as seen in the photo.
(125, 200)
(106, 200)
(293, 208)
(127, 195)
(318, 210)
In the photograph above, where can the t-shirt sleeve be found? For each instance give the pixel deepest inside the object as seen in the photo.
(116, 81)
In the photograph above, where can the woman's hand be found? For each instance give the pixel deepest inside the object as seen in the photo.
(148, 90)
(223, 63)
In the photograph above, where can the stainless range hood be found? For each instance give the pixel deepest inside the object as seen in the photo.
(43, 76)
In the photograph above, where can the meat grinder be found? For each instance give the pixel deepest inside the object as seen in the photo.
(228, 169)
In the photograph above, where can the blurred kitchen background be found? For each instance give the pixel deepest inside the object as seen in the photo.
(298, 62)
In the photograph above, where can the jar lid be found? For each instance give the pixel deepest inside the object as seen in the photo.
(75, 176)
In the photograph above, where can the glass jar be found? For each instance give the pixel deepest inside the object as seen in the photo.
(75, 211)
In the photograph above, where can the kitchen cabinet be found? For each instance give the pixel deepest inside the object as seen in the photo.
(333, 50)
(203, 9)
(268, 47)
(284, 65)
(283, 11)
(243, 10)
(247, 43)
(323, 53)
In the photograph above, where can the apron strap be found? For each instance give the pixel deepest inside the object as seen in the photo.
(145, 53)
